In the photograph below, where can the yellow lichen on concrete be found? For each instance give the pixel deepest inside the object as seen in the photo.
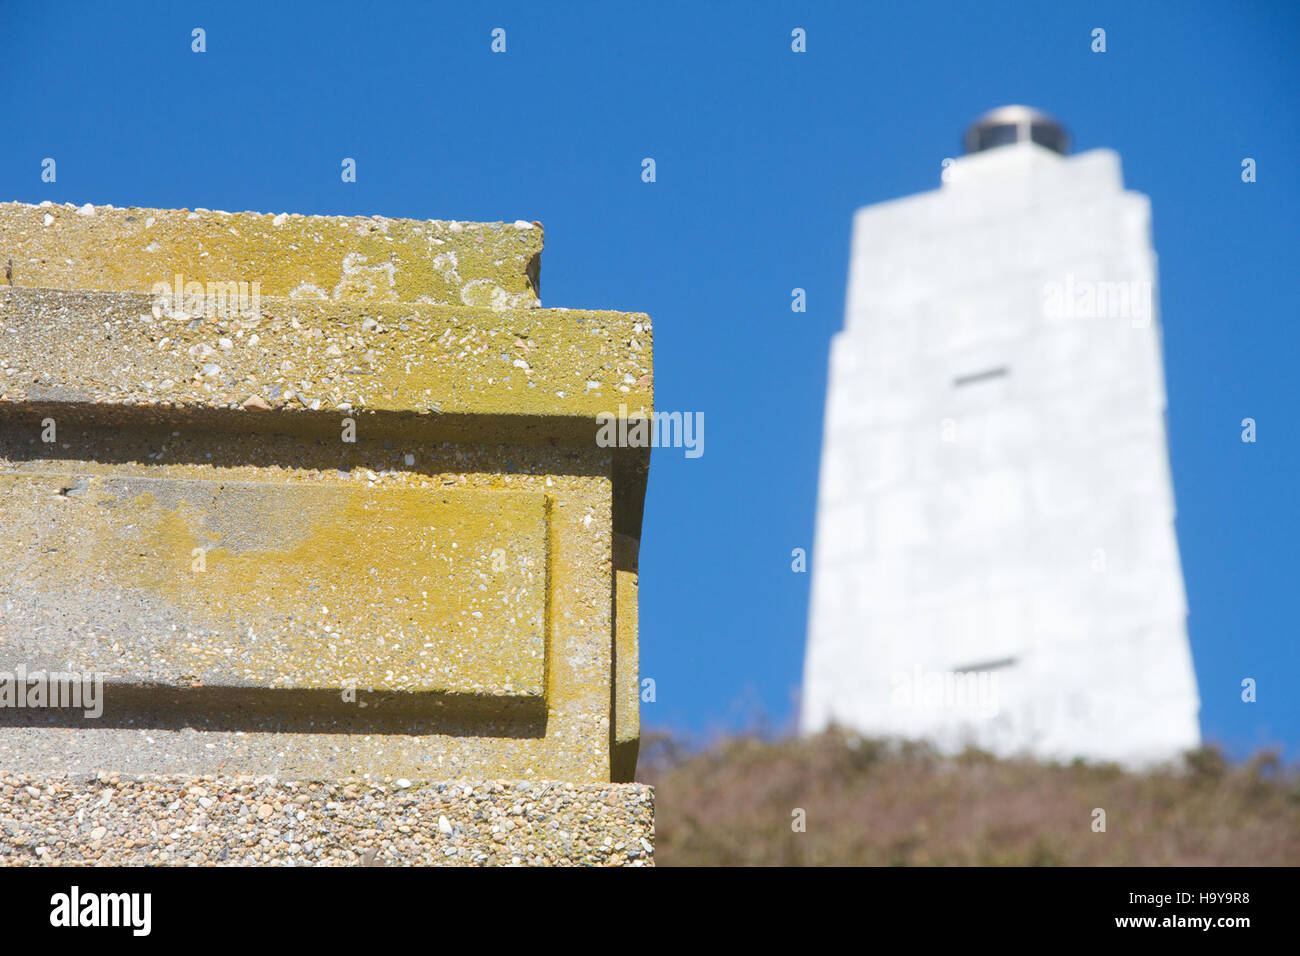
(260, 584)
(627, 677)
(385, 493)
(327, 258)
(112, 348)
(569, 741)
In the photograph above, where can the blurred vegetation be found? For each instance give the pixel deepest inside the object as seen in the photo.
(876, 803)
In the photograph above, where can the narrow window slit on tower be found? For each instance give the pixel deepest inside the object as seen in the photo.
(986, 666)
(984, 376)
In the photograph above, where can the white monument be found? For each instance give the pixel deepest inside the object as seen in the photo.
(995, 559)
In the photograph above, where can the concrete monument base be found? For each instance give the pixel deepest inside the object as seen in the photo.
(115, 820)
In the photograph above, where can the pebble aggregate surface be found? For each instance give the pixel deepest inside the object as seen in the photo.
(119, 820)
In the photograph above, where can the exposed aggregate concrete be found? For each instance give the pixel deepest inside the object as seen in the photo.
(115, 820)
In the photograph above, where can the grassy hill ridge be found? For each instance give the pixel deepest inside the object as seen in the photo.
(870, 802)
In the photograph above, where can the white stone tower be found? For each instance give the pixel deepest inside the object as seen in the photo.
(995, 558)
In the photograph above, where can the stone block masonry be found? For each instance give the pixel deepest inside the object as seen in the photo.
(318, 499)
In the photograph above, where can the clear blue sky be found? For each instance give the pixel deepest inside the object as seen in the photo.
(762, 156)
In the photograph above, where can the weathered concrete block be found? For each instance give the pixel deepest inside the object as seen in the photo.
(325, 258)
(418, 606)
(360, 535)
(431, 364)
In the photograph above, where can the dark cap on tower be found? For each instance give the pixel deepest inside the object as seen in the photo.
(1016, 124)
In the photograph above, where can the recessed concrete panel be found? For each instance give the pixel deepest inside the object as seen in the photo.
(255, 584)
